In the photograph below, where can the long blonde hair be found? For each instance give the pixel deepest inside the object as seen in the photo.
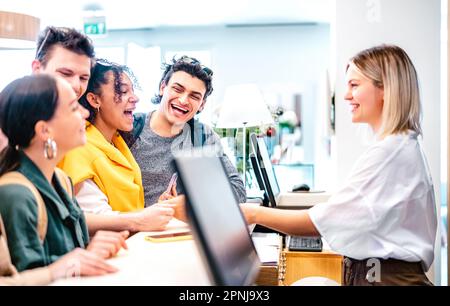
(390, 68)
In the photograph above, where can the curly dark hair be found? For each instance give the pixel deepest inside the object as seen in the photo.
(98, 78)
(189, 65)
(67, 38)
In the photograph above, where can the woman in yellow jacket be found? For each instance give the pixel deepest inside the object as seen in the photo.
(106, 176)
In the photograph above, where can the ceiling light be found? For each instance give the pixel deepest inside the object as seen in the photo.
(18, 31)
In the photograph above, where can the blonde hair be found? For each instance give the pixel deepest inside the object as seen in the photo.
(390, 68)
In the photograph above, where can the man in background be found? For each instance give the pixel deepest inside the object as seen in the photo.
(66, 53)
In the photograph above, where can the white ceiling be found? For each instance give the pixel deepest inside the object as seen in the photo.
(132, 14)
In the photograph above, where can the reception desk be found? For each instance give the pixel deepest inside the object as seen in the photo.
(301, 200)
(148, 263)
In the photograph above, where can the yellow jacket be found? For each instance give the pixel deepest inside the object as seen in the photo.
(112, 167)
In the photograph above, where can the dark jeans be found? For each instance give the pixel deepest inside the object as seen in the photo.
(383, 272)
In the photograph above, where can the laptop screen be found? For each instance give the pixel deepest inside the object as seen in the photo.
(270, 180)
(217, 222)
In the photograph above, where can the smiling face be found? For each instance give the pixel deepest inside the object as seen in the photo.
(366, 99)
(67, 127)
(182, 98)
(114, 114)
(74, 68)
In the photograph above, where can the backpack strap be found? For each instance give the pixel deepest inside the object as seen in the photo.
(191, 126)
(138, 126)
(64, 180)
(17, 178)
(198, 137)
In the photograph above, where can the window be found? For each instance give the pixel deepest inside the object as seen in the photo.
(146, 66)
(112, 54)
(204, 56)
(15, 64)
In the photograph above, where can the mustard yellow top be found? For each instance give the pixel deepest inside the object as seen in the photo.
(112, 168)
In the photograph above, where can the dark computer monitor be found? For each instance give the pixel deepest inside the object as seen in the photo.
(216, 221)
(266, 169)
(258, 176)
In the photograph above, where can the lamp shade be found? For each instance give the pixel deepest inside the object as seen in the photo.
(18, 30)
(243, 105)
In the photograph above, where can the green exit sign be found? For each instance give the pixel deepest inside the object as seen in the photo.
(94, 26)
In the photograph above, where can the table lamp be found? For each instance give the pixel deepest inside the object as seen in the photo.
(243, 106)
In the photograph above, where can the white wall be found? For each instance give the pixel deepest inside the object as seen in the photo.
(282, 60)
(413, 25)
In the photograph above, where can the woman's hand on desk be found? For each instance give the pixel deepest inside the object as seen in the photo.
(153, 218)
(179, 205)
(106, 244)
(79, 262)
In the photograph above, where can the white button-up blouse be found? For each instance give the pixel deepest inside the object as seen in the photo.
(386, 208)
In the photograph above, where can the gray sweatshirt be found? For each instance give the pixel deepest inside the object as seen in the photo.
(154, 154)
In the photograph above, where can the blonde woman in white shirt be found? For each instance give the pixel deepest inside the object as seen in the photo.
(385, 213)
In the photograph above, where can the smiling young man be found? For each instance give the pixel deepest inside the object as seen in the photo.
(184, 88)
(65, 53)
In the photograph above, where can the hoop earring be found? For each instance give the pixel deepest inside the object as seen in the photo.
(50, 149)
